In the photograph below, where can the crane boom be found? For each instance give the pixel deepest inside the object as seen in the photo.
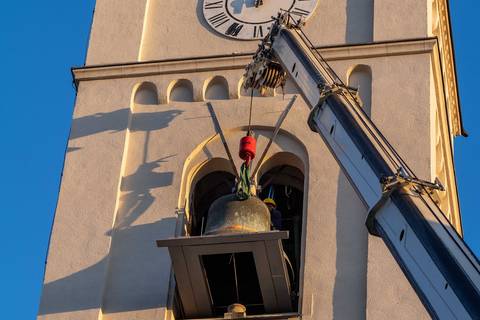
(439, 265)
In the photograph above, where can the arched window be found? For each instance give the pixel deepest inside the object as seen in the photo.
(361, 78)
(359, 21)
(146, 94)
(284, 183)
(208, 189)
(213, 180)
(217, 89)
(181, 91)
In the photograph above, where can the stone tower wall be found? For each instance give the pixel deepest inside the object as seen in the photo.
(134, 152)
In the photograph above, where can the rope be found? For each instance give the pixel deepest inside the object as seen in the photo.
(243, 187)
(250, 113)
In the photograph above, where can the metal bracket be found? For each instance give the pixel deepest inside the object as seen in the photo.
(402, 179)
(392, 183)
(326, 91)
(337, 88)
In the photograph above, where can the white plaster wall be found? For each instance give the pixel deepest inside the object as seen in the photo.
(116, 32)
(142, 30)
(79, 248)
(407, 19)
(103, 256)
(360, 16)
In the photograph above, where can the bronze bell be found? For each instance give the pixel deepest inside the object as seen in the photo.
(228, 215)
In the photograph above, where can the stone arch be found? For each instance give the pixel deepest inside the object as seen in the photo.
(212, 180)
(180, 91)
(145, 93)
(282, 158)
(208, 157)
(211, 147)
(216, 88)
(282, 178)
(360, 14)
(360, 77)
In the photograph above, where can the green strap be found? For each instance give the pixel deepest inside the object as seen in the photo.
(243, 186)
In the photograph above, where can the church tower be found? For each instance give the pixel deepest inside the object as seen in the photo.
(158, 99)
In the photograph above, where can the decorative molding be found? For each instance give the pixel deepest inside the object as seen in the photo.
(448, 112)
(443, 160)
(239, 61)
(441, 29)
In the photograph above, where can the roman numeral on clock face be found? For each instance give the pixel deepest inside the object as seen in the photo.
(234, 29)
(257, 31)
(219, 19)
(213, 5)
(300, 11)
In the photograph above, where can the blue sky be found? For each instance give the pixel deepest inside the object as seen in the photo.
(40, 42)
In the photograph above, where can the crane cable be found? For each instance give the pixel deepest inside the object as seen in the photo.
(250, 113)
(244, 183)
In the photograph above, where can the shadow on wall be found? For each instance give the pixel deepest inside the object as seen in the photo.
(117, 120)
(132, 265)
(114, 121)
(350, 290)
(360, 15)
(131, 246)
(80, 290)
(136, 197)
(73, 149)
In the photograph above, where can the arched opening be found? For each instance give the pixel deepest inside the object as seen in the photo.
(283, 182)
(361, 78)
(146, 94)
(181, 91)
(227, 268)
(207, 190)
(211, 182)
(231, 277)
(217, 89)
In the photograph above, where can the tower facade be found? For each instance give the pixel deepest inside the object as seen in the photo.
(157, 101)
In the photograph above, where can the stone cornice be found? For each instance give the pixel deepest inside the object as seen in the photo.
(239, 61)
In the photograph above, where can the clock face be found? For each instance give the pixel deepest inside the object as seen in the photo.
(251, 19)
